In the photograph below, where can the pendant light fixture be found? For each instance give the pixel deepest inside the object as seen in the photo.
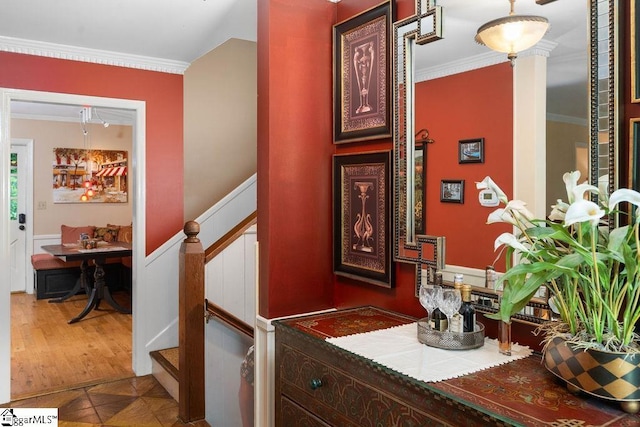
(512, 34)
(85, 118)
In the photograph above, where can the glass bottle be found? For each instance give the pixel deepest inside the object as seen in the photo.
(489, 277)
(456, 320)
(504, 338)
(458, 278)
(439, 321)
(467, 311)
(438, 318)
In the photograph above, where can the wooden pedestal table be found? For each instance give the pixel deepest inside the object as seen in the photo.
(100, 289)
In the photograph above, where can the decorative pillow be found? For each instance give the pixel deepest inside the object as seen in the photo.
(72, 234)
(108, 234)
(125, 234)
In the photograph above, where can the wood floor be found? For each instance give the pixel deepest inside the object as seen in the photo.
(137, 401)
(48, 354)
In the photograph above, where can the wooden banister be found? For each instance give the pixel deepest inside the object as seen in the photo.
(191, 403)
(228, 319)
(226, 240)
(192, 308)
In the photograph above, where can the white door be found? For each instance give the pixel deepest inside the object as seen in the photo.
(19, 188)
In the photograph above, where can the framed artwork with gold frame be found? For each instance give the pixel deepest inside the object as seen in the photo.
(362, 71)
(361, 217)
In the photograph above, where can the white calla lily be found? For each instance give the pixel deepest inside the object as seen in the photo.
(579, 190)
(583, 211)
(487, 182)
(558, 211)
(624, 195)
(518, 207)
(500, 215)
(589, 268)
(571, 181)
(509, 239)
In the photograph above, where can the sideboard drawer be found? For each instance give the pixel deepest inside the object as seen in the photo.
(337, 396)
(294, 416)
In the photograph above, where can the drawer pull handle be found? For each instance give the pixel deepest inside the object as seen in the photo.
(315, 383)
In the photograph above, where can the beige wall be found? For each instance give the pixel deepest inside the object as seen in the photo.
(562, 139)
(220, 114)
(50, 134)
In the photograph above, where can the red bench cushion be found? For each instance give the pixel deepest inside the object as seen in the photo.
(50, 262)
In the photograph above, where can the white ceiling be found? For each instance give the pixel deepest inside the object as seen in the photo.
(180, 31)
(177, 30)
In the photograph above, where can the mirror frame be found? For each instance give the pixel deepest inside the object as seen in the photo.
(426, 27)
(603, 93)
(421, 28)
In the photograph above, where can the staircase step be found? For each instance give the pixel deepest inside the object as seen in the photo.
(164, 367)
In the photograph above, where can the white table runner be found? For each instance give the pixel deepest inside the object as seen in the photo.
(398, 348)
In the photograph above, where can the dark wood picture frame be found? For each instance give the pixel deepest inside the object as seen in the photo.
(420, 179)
(452, 190)
(361, 217)
(635, 50)
(634, 154)
(471, 150)
(362, 74)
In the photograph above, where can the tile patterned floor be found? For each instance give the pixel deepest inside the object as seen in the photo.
(138, 401)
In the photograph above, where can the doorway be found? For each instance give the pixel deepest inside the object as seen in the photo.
(136, 189)
(20, 210)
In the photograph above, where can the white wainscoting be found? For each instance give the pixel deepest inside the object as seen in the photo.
(230, 284)
(160, 316)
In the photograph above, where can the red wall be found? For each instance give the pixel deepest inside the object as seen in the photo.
(294, 155)
(162, 94)
(470, 105)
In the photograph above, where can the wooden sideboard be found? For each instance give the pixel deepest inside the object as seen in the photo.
(319, 384)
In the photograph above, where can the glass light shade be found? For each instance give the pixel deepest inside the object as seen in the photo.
(512, 34)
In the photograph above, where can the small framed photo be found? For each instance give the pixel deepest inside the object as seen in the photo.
(452, 191)
(471, 150)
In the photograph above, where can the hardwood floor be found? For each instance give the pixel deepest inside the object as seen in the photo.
(48, 354)
(138, 401)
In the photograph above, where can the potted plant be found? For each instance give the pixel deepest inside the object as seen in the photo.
(592, 272)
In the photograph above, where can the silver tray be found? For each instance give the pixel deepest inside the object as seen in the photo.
(450, 340)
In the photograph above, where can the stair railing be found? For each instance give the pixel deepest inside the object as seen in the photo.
(192, 305)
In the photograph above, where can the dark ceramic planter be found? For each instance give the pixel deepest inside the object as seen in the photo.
(606, 375)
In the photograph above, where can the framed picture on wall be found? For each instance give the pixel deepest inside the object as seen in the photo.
(471, 150)
(89, 176)
(634, 154)
(361, 217)
(362, 72)
(635, 50)
(452, 191)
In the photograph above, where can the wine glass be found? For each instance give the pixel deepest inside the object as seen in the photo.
(428, 299)
(451, 302)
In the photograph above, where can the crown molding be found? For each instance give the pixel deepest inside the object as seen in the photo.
(489, 58)
(96, 56)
